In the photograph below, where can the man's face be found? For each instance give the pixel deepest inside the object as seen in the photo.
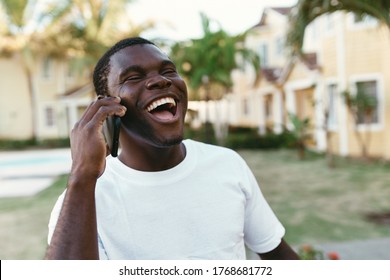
(153, 92)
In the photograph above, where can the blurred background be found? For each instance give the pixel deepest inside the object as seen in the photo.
(301, 89)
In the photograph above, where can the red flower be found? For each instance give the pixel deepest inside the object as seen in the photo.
(333, 256)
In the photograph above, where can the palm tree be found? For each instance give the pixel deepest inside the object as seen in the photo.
(207, 63)
(306, 11)
(62, 29)
(22, 24)
(300, 131)
(91, 27)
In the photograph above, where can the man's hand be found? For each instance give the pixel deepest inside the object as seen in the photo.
(89, 148)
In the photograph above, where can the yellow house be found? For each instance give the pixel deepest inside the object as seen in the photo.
(260, 106)
(343, 53)
(55, 110)
(354, 56)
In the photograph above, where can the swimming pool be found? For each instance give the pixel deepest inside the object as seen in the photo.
(28, 172)
(34, 160)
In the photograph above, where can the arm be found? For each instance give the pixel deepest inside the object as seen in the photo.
(282, 252)
(75, 235)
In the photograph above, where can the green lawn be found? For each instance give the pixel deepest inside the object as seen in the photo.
(23, 223)
(315, 203)
(318, 204)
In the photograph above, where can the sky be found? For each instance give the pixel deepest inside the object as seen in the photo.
(180, 19)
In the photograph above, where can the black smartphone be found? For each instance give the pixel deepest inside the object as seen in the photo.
(111, 128)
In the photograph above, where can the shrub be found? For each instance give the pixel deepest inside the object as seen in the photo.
(199, 134)
(248, 138)
(30, 143)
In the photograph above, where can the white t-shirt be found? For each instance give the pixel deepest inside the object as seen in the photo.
(207, 207)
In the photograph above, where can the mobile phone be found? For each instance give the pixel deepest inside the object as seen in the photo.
(111, 128)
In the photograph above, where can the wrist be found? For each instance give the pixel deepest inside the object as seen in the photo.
(88, 171)
(83, 180)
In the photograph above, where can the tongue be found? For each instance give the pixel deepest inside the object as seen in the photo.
(163, 115)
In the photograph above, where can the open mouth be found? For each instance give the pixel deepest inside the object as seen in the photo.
(163, 109)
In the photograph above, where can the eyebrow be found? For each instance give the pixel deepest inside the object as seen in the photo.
(167, 62)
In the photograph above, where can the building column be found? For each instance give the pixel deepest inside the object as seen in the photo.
(290, 104)
(319, 131)
(278, 112)
(261, 125)
(343, 85)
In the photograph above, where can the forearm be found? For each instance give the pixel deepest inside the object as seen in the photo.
(75, 235)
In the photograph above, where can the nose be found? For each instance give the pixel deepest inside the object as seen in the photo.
(158, 82)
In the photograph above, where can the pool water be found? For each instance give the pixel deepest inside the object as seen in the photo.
(20, 162)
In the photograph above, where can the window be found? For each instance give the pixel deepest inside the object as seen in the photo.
(332, 105)
(46, 68)
(329, 22)
(70, 71)
(72, 68)
(366, 101)
(363, 19)
(356, 21)
(245, 107)
(263, 52)
(49, 117)
(315, 29)
(279, 46)
(268, 106)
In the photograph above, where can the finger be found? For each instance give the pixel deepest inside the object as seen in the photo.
(101, 108)
(109, 110)
(95, 105)
(108, 151)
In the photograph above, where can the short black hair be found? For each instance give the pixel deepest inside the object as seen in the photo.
(102, 68)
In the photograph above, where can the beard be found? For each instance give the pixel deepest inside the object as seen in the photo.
(159, 136)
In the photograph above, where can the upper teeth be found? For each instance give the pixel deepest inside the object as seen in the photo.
(160, 102)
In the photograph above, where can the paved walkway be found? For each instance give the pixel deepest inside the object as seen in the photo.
(26, 173)
(372, 249)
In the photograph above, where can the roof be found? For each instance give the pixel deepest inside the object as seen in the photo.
(271, 74)
(281, 10)
(78, 90)
(310, 60)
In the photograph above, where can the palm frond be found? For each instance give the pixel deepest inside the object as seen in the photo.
(215, 55)
(306, 11)
(15, 11)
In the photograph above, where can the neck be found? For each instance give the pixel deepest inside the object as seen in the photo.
(144, 157)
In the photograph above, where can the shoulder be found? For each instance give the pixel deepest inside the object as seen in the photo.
(208, 152)
(210, 149)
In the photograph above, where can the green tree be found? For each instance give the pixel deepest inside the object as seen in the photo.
(208, 62)
(61, 29)
(91, 27)
(22, 26)
(300, 130)
(362, 108)
(306, 11)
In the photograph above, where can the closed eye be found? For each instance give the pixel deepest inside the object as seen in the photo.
(168, 68)
(132, 73)
(134, 78)
(170, 71)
